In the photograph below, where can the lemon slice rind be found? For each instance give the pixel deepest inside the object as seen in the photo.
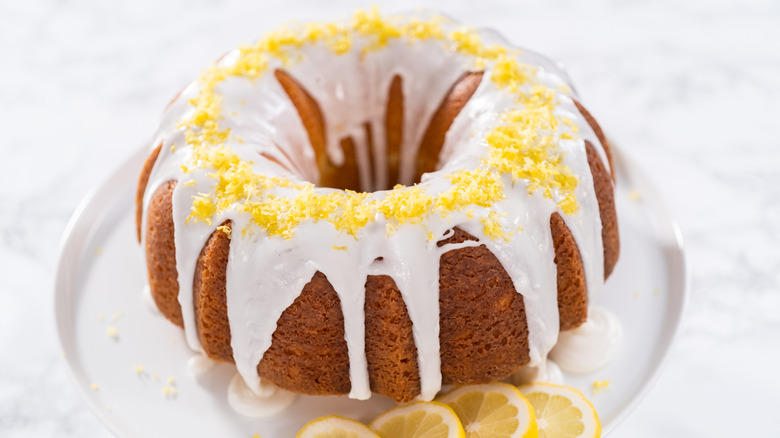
(382, 424)
(334, 426)
(492, 394)
(589, 419)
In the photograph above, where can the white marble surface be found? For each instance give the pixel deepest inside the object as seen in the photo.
(690, 89)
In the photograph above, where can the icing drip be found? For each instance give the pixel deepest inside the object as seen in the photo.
(199, 365)
(589, 347)
(547, 372)
(264, 161)
(265, 401)
(146, 296)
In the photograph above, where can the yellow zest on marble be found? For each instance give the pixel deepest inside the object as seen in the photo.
(523, 146)
(94, 386)
(112, 332)
(139, 369)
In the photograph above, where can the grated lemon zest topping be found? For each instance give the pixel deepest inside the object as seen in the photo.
(524, 146)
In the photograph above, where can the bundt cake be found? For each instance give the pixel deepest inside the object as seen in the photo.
(386, 205)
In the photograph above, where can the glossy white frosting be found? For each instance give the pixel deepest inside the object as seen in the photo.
(199, 365)
(590, 346)
(146, 296)
(264, 402)
(546, 372)
(266, 273)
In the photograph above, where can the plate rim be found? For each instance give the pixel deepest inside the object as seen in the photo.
(624, 160)
(74, 239)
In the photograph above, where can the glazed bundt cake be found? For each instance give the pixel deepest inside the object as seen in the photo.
(383, 205)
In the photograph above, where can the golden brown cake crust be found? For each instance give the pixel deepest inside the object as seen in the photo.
(161, 254)
(309, 353)
(594, 125)
(143, 181)
(390, 349)
(605, 193)
(394, 125)
(572, 289)
(485, 342)
(210, 295)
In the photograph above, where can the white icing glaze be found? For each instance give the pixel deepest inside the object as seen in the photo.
(264, 401)
(199, 365)
(266, 274)
(589, 347)
(547, 372)
(146, 296)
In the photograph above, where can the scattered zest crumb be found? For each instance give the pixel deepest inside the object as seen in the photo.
(117, 315)
(227, 230)
(139, 369)
(94, 386)
(101, 317)
(169, 391)
(155, 377)
(636, 294)
(99, 250)
(600, 386)
(171, 381)
(634, 195)
(112, 332)
(656, 292)
(257, 435)
(339, 248)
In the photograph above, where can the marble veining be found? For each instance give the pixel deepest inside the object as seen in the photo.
(688, 89)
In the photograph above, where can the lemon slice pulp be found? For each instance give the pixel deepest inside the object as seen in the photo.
(492, 411)
(334, 426)
(419, 420)
(562, 412)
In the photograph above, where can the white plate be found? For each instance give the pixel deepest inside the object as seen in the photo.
(101, 275)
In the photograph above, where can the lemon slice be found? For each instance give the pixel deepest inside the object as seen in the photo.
(493, 410)
(419, 420)
(562, 411)
(334, 426)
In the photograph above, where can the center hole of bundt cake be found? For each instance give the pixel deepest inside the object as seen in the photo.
(372, 163)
